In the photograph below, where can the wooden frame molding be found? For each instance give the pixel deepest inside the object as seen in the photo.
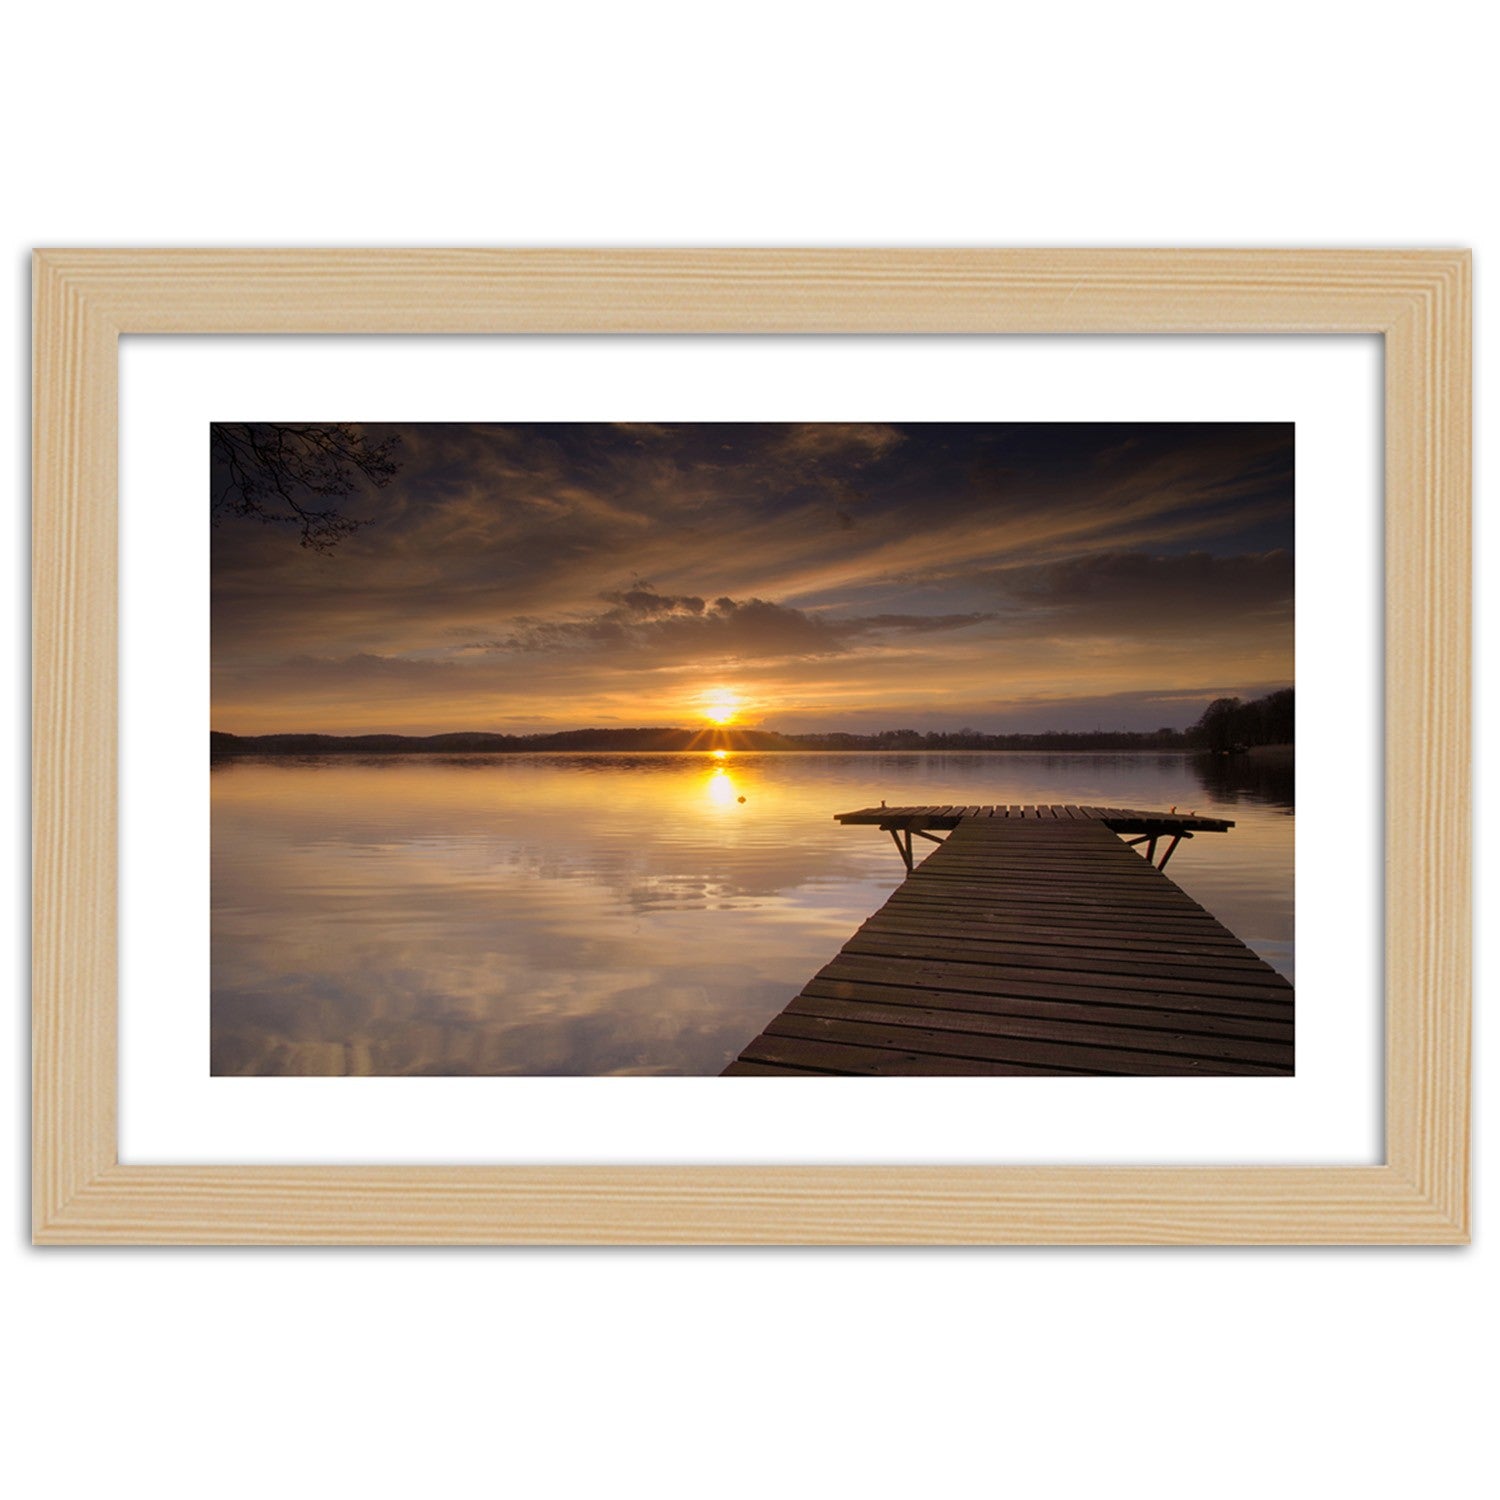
(1419, 301)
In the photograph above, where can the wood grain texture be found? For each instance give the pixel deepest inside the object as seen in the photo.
(1427, 776)
(74, 738)
(1420, 301)
(937, 992)
(749, 1205)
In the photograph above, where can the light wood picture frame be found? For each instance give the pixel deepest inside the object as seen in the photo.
(1419, 302)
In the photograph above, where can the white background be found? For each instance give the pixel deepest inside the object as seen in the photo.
(1299, 1373)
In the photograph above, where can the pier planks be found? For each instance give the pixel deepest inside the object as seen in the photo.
(1035, 941)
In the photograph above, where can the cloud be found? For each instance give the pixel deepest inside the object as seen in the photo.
(366, 666)
(924, 624)
(686, 626)
(1140, 592)
(642, 602)
(851, 443)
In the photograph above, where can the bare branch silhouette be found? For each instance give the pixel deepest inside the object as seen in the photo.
(278, 473)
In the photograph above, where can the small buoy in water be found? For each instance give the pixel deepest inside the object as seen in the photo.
(742, 799)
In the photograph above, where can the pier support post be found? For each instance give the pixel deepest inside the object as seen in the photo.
(904, 849)
(1177, 839)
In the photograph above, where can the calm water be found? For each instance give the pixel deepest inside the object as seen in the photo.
(589, 914)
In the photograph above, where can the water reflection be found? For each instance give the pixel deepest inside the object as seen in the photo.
(1268, 777)
(722, 791)
(588, 914)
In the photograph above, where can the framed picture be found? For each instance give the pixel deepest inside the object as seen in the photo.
(698, 630)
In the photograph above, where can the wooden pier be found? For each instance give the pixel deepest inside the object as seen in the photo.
(1035, 941)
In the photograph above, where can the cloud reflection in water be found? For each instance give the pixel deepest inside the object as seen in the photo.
(597, 914)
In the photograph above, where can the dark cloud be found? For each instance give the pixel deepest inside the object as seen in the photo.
(684, 626)
(642, 602)
(1137, 590)
(923, 624)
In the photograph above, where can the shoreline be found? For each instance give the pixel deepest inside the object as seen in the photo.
(1265, 755)
(1273, 755)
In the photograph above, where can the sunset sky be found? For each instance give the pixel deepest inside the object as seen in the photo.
(797, 577)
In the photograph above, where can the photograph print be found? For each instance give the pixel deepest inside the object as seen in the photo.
(752, 749)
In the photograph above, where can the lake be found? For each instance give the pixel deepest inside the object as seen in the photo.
(618, 914)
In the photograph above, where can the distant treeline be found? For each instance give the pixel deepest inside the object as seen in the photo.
(1229, 724)
(478, 743)
(1226, 724)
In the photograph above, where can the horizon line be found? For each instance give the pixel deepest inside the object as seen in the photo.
(704, 731)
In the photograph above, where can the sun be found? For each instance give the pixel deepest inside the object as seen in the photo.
(721, 708)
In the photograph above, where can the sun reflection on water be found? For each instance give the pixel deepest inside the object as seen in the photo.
(721, 787)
